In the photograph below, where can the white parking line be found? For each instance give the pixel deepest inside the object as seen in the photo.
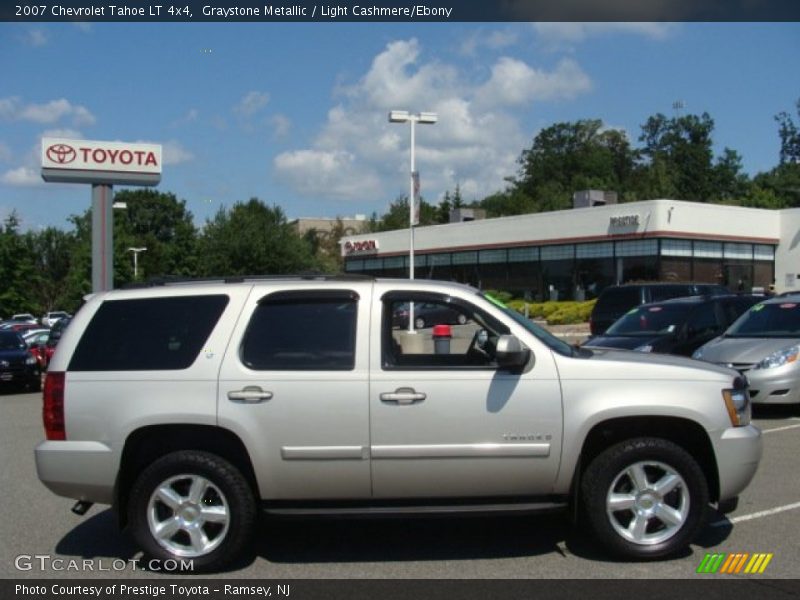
(780, 428)
(758, 515)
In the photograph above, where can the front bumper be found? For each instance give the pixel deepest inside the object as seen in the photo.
(738, 451)
(27, 374)
(80, 470)
(774, 386)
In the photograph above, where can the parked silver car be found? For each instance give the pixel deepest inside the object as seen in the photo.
(764, 345)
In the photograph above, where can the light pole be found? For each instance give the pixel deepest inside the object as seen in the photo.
(428, 118)
(136, 260)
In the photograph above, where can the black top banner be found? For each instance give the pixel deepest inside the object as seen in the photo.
(399, 10)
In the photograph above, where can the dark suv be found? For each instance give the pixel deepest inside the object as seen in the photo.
(676, 326)
(616, 300)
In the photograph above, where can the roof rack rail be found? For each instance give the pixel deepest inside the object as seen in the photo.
(304, 276)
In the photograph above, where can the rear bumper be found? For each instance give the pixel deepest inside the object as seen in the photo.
(80, 470)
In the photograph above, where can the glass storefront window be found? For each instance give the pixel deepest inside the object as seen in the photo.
(676, 248)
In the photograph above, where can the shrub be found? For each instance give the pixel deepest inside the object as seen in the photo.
(556, 313)
(504, 297)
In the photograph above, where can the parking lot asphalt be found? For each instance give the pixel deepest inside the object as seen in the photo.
(38, 523)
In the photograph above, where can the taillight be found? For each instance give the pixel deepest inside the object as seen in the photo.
(53, 409)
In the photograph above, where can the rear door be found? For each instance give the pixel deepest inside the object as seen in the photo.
(294, 387)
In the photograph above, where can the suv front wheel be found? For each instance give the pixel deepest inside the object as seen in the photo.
(192, 506)
(645, 498)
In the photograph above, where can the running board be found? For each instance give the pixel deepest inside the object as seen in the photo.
(418, 511)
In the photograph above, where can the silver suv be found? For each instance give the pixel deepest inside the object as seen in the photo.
(190, 406)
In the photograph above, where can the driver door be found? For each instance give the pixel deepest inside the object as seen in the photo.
(445, 421)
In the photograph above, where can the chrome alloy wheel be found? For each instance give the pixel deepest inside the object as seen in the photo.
(648, 503)
(188, 516)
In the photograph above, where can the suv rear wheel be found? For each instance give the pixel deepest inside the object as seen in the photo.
(192, 505)
(645, 498)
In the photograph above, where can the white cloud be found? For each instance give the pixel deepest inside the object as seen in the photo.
(561, 34)
(391, 84)
(22, 177)
(310, 171)
(8, 107)
(493, 40)
(37, 38)
(68, 134)
(173, 152)
(281, 125)
(251, 103)
(359, 155)
(191, 116)
(514, 82)
(48, 113)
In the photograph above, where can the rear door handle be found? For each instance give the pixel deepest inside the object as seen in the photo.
(403, 396)
(251, 394)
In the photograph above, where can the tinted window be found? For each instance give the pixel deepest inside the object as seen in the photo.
(620, 297)
(300, 332)
(151, 334)
(665, 292)
(704, 319)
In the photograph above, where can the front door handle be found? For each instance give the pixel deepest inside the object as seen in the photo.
(251, 394)
(403, 396)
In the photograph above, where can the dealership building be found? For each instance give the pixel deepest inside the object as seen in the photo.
(575, 253)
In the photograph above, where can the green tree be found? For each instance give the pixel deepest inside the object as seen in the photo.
(252, 239)
(16, 271)
(680, 151)
(790, 136)
(397, 216)
(564, 158)
(51, 252)
(161, 223)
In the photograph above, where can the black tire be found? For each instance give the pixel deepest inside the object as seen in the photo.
(648, 523)
(225, 491)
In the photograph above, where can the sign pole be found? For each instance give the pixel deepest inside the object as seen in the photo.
(102, 237)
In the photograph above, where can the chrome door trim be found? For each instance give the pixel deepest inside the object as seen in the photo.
(324, 453)
(462, 451)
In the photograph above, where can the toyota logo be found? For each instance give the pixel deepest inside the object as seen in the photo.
(61, 153)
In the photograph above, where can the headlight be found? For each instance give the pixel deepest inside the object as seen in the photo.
(780, 358)
(31, 360)
(644, 348)
(737, 402)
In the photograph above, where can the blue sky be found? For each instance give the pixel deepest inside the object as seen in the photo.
(295, 114)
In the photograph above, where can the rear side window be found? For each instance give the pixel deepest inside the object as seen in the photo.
(665, 292)
(297, 331)
(620, 298)
(148, 334)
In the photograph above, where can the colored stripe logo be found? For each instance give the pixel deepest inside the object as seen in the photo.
(735, 564)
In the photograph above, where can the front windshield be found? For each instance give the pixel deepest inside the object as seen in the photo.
(779, 320)
(651, 320)
(541, 334)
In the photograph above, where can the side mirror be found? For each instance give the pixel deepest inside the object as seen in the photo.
(510, 353)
